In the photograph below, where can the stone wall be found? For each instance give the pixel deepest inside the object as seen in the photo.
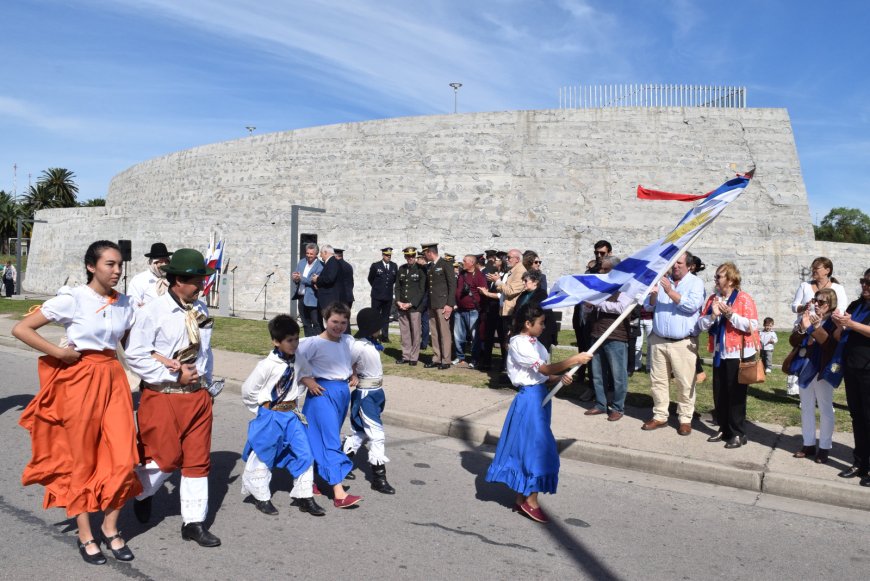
(554, 181)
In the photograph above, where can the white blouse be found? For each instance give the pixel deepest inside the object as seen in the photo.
(327, 359)
(366, 358)
(805, 294)
(91, 323)
(525, 357)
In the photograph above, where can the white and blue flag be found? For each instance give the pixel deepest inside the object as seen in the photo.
(637, 273)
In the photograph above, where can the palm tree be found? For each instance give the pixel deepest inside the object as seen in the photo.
(9, 213)
(93, 202)
(60, 185)
(38, 197)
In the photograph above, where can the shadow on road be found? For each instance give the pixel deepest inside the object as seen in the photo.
(15, 402)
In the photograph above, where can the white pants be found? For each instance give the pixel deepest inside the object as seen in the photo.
(645, 330)
(818, 392)
(373, 437)
(257, 477)
(792, 386)
(193, 492)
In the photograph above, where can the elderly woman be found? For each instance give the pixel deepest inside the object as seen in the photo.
(731, 319)
(855, 324)
(816, 336)
(822, 277)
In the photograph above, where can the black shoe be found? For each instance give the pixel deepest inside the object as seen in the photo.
(865, 481)
(350, 475)
(412, 363)
(196, 531)
(852, 472)
(444, 366)
(717, 438)
(96, 559)
(265, 506)
(122, 554)
(379, 480)
(735, 442)
(431, 364)
(401, 361)
(142, 509)
(308, 505)
(822, 456)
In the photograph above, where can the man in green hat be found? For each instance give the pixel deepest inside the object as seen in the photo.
(175, 410)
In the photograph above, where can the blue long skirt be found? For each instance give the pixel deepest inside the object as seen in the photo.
(526, 458)
(325, 414)
(280, 440)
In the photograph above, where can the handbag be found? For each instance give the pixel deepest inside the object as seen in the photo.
(789, 359)
(750, 371)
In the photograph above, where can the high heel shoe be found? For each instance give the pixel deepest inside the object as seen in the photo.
(822, 456)
(97, 558)
(122, 554)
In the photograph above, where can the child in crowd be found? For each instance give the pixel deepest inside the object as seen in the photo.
(768, 340)
(327, 376)
(367, 400)
(278, 435)
(526, 458)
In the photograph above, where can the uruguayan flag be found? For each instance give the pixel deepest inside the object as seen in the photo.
(637, 273)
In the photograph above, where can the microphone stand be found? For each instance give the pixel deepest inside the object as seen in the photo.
(265, 291)
(233, 272)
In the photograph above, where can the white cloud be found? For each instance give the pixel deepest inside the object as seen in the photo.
(12, 110)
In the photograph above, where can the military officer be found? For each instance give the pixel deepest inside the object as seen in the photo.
(382, 278)
(410, 291)
(442, 300)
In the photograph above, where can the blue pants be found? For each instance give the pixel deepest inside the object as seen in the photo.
(464, 332)
(325, 414)
(280, 440)
(610, 370)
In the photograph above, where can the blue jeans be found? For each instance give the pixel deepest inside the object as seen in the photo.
(464, 331)
(609, 370)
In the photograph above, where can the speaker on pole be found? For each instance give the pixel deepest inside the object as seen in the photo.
(126, 250)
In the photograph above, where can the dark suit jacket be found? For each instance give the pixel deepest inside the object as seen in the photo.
(442, 285)
(329, 283)
(382, 278)
(346, 292)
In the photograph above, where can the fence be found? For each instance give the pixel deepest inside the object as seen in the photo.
(605, 96)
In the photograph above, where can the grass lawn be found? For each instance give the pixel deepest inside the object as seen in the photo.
(767, 402)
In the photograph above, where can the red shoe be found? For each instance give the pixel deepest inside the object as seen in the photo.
(536, 514)
(347, 502)
(316, 490)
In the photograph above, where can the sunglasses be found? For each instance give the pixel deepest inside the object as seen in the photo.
(536, 262)
(864, 281)
(820, 301)
(601, 253)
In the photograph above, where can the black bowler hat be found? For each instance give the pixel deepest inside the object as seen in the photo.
(158, 250)
(490, 253)
(388, 250)
(368, 321)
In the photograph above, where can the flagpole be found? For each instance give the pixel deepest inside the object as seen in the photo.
(625, 313)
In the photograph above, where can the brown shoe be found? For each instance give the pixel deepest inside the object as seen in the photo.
(684, 429)
(654, 425)
(593, 412)
(614, 416)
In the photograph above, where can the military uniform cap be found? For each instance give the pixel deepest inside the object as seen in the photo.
(410, 251)
(427, 245)
(388, 250)
(338, 250)
(449, 257)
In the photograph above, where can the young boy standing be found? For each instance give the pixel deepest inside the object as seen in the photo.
(768, 340)
(367, 400)
(278, 435)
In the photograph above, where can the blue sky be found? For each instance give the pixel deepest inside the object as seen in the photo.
(96, 87)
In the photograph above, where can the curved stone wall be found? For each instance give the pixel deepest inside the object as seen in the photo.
(554, 181)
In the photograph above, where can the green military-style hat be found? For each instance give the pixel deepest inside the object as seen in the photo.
(187, 262)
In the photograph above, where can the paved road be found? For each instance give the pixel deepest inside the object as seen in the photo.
(444, 523)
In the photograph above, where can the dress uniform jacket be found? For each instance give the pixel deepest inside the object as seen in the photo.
(382, 277)
(411, 286)
(442, 285)
(329, 283)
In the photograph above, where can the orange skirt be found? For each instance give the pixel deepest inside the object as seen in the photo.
(82, 434)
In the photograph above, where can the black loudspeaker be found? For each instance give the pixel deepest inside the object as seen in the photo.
(303, 240)
(126, 250)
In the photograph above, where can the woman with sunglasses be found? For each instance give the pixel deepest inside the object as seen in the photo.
(855, 325)
(816, 336)
(822, 270)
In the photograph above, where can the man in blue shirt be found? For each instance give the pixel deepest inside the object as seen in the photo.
(675, 302)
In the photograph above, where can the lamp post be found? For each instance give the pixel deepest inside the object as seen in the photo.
(455, 95)
(294, 243)
(18, 251)
(250, 129)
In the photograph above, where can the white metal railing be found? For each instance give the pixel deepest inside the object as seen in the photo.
(653, 95)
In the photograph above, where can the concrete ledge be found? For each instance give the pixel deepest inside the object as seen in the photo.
(836, 493)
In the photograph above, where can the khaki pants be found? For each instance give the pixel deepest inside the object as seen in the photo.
(678, 357)
(442, 338)
(411, 332)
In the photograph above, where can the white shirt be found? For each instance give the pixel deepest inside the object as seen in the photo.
(768, 339)
(738, 322)
(142, 289)
(160, 327)
(366, 359)
(257, 388)
(90, 324)
(327, 359)
(805, 294)
(525, 356)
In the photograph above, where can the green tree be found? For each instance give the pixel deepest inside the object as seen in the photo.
(93, 202)
(9, 213)
(37, 198)
(60, 185)
(844, 225)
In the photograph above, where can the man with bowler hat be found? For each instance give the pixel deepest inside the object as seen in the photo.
(150, 283)
(382, 277)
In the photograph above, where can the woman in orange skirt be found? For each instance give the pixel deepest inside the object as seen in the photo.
(81, 422)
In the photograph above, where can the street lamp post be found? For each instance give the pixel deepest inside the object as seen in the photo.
(250, 129)
(294, 243)
(18, 251)
(455, 95)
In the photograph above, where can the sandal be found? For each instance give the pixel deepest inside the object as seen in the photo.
(122, 554)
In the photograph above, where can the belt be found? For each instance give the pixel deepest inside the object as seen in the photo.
(370, 382)
(172, 387)
(281, 406)
(671, 338)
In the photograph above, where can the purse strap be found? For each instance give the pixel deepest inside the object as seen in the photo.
(742, 345)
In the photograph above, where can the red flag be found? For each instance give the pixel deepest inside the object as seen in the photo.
(645, 194)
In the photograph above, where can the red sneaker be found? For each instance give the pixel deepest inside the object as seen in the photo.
(534, 513)
(347, 502)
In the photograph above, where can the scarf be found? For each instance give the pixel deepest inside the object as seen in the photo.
(192, 320)
(812, 367)
(833, 372)
(285, 382)
(162, 285)
(730, 339)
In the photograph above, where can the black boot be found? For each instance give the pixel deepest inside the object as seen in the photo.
(351, 475)
(379, 479)
(264, 506)
(196, 531)
(309, 505)
(142, 509)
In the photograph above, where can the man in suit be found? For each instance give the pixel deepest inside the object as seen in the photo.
(442, 300)
(307, 268)
(382, 277)
(330, 282)
(346, 278)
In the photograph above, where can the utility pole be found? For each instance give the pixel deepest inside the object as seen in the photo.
(455, 95)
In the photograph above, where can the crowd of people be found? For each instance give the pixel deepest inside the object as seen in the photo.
(91, 455)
